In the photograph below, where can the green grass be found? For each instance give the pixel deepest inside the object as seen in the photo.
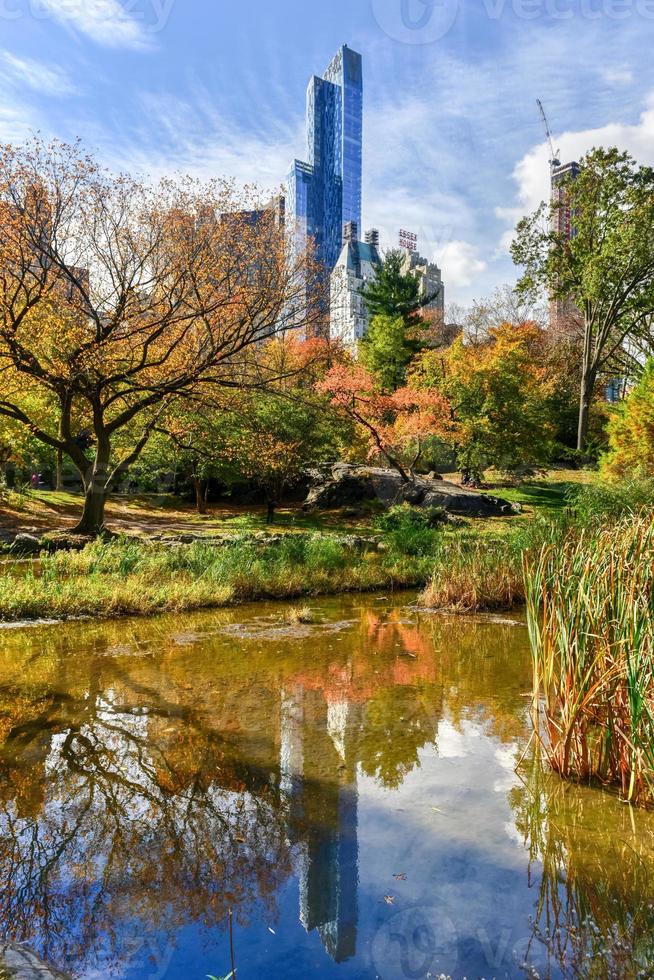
(128, 577)
(475, 565)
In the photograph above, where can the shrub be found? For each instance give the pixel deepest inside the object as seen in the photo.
(412, 530)
(631, 431)
(603, 501)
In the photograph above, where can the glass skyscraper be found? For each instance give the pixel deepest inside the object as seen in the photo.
(325, 192)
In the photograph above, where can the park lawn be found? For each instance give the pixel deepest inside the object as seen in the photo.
(146, 514)
(468, 565)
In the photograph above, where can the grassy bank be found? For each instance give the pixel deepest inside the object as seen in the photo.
(482, 570)
(590, 606)
(473, 566)
(128, 577)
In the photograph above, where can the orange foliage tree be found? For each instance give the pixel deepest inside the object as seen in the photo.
(118, 298)
(396, 424)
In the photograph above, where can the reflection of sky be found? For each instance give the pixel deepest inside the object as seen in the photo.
(301, 727)
(446, 828)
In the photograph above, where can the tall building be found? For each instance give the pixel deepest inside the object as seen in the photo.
(429, 277)
(355, 267)
(564, 315)
(324, 193)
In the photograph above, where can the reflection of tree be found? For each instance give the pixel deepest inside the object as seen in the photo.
(155, 773)
(595, 857)
(145, 820)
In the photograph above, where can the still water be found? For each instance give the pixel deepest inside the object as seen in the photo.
(346, 788)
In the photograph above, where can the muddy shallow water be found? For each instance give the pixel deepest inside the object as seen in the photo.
(346, 789)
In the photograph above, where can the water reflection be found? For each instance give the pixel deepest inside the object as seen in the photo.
(156, 775)
(594, 916)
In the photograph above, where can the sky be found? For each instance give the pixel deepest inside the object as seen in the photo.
(454, 148)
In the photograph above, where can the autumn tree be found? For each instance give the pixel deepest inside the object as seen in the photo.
(500, 393)
(631, 431)
(268, 435)
(118, 298)
(605, 268)
(396, 425)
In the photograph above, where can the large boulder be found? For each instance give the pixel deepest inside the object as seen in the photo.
(344, 485)
(339, 486)
(26, 544)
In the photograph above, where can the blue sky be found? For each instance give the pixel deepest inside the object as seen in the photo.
(453, 144)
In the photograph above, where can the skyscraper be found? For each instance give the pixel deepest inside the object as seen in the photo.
(325, 192)
(564, 314)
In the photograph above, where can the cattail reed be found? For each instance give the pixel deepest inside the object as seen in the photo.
(590, 608)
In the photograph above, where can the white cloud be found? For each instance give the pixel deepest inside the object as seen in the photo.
(460, 263)
(46, 79)
(191, 136)
(105, 21)
(531, 174)
(617, 76)
(15, 122)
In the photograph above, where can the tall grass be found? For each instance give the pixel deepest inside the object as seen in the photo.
(126, 576)
(590, 609)
(475, 573)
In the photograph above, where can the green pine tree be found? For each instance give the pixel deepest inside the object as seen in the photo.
(396, 332)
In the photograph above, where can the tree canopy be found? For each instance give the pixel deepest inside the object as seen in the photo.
(603, 267)
(631, 431)
(118, 298)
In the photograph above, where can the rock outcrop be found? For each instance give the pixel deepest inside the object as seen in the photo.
(344, 485)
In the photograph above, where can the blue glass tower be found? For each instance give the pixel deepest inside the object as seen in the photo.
(325, 192)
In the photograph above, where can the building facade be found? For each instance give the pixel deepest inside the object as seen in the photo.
(428, 275)
(325, 191)
(564, 314)
(355, 267)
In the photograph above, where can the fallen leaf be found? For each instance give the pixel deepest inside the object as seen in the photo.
(389, 899)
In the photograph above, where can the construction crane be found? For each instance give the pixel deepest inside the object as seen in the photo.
(554, 155)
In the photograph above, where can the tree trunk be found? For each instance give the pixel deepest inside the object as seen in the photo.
(201, 494)
(59, 471)
(584, 416)
(95, 491)
(588, 380)
(92, 519)
(270, 512)
(587, 386)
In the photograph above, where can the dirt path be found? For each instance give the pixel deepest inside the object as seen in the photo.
(38, 514)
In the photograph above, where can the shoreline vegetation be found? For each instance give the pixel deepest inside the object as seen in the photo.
(590, 613)
(461, 566)
(584, 571)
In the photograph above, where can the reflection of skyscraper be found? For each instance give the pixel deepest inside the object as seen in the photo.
(318, 776)
(325, 192)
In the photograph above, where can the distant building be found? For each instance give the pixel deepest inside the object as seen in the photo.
(325, 192)
(429, 277)
(564, 314)
(355, 267)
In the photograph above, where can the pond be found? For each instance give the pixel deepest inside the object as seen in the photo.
(335, 799)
